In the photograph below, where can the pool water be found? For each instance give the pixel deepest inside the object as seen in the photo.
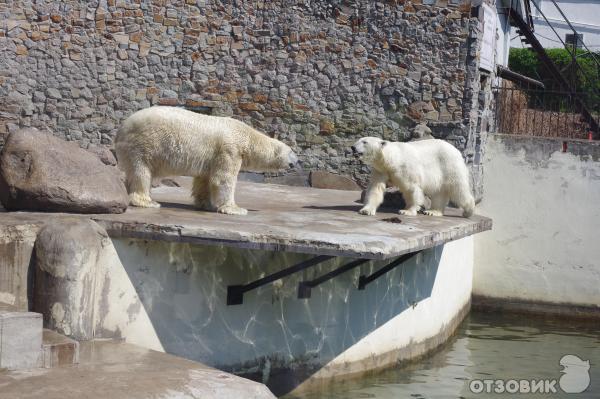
(491, 347)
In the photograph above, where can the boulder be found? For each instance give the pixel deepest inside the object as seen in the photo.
(104, 154)
(39, 172)
(322, 179)
(67, 252)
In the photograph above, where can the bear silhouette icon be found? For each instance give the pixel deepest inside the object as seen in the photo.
(576, 376)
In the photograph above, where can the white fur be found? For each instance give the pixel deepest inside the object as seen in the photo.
(432, 168)
(168, 141)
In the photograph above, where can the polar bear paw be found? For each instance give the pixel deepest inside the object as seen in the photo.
(432, 212)
(203, 205)
(407, 212)
(367, 211)
(143, 201)
(232, 210)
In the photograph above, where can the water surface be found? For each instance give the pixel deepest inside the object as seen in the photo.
(487, 346)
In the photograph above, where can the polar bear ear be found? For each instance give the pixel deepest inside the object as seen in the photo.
(383, 143)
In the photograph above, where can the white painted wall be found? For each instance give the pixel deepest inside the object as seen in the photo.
(545, 206)
(584, 15)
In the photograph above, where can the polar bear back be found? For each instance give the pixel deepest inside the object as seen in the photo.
(433, 164)
(155, 134)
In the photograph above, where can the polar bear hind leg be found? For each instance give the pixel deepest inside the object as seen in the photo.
(139, 181)
(438, 204)
(201, 193)
(222, 186)
(414, 199)
(464, 199)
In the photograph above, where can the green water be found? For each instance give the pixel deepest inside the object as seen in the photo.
(487, 346)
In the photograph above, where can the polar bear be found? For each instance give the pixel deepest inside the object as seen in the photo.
(432, 168)
(167, 141)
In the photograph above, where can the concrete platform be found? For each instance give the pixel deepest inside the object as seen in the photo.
(115, 370)
(284, 218)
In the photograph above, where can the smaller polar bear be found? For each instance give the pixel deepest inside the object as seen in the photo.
(432, 168)
(170, 141)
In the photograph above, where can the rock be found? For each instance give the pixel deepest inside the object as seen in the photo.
(421, 132)
(299, 179)
(40, 172)
(104, 154)
(66, 264)
(322, 179)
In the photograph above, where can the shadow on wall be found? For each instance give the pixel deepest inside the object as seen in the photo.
(273, 337)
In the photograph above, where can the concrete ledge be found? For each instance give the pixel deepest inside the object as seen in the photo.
(533, 308)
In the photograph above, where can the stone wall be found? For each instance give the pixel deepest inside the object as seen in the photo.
(316, 74)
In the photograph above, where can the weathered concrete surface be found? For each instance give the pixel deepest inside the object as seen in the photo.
(544, 202)
(40, 172)
(122, 371)
(66, 257)
(58, 350)
(281, 218)
(294, 219)
(16, 247)
(20, 339)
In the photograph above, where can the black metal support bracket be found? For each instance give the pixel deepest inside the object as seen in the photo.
(363, 280)
(304, 287)
(235, 293)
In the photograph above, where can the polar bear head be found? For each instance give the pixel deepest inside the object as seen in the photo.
(269, 155)
(368, 149)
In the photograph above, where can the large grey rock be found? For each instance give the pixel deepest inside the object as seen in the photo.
(41, 172)
(323, 179)
(66, 257)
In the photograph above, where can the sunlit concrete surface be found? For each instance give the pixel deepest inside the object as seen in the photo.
(109, 369)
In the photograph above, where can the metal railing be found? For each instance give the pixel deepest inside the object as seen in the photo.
(545, 112)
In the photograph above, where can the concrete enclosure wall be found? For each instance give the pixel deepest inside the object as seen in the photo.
(544, 203)
(315, 74)
(172, 297)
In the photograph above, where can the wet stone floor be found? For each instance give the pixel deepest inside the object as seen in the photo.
(492, 356)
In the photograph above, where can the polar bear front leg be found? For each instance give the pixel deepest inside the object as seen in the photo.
(374, 194)
(222, 186)
(414, 199)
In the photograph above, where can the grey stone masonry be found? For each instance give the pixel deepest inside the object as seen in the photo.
(316, 74)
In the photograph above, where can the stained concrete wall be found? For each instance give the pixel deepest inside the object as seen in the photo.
(544, 203)
(172, 296)
(16, 247)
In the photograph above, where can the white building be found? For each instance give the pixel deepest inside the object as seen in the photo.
(584, 15)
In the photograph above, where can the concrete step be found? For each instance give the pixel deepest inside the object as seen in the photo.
(118, 370)
(58, 350)
(20, 338)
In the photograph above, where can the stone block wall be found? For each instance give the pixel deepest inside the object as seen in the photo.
(316, 74)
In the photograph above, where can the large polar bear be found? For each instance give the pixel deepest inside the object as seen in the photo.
(168, 141)
(432, 168)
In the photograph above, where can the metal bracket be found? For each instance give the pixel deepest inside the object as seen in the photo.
(304, 287)
(363, 280)
(235, 293)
